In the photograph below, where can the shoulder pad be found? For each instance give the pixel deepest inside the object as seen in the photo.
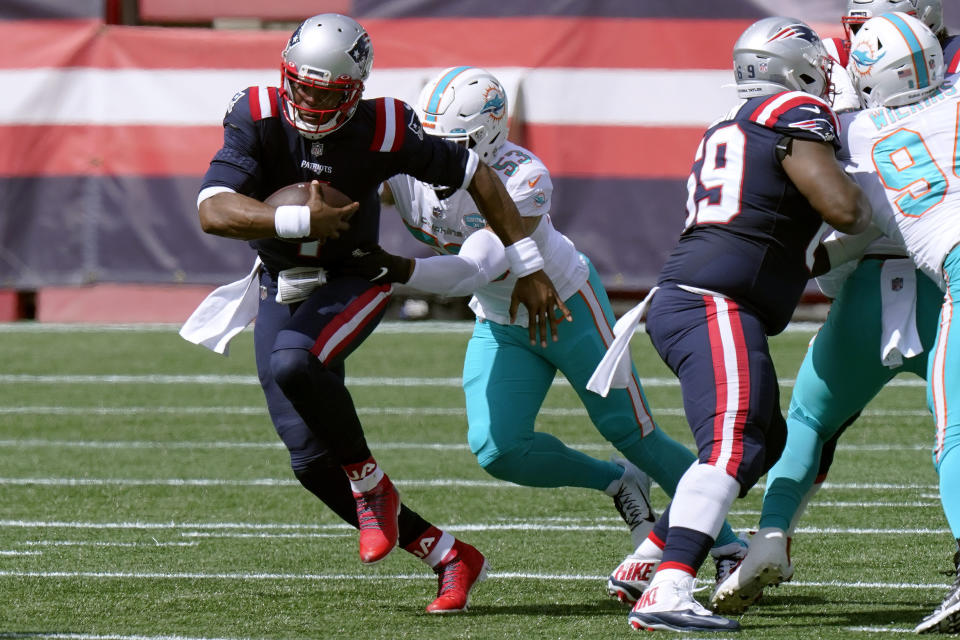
(797, 114)
(390, 124)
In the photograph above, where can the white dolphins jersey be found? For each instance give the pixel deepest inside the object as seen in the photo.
(444, 224)
(907, 161)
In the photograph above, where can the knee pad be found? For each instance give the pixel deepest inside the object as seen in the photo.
(503, 465)
(291, 369)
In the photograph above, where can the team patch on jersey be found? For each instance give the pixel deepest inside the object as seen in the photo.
(264, 102)
(474, 220)
(389, 132)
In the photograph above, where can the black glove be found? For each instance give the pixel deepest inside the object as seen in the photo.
(376, 265)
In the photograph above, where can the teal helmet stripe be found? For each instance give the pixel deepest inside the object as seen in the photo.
(916, 50)
(434, 102)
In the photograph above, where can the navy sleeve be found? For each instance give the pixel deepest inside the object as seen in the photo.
(235, 165)
(427, 158)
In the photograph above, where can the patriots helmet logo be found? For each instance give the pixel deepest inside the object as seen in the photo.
(361, 51)
(294, 39)
(801, 31)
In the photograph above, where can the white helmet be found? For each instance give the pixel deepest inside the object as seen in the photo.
(325, 63)
(466, 105)
(895, 60)
(929, 12)
(780, 54)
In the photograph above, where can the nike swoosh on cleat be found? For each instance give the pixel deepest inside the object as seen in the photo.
(383, 272)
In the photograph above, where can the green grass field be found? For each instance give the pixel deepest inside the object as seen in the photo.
(146, 496)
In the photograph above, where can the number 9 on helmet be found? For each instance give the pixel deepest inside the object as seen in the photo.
(781, 54)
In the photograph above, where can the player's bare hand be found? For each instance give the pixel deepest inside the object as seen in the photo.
(537, 294)
(327, 221)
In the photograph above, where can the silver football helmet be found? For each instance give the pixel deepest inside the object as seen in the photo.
(929, 12)
(467, 105)
(895, 60)
(325, 63)
(780, 54)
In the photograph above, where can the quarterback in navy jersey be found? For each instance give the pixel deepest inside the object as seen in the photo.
(263, 152)
(317, 127)
(764, 181)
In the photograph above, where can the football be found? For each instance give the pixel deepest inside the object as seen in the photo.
(299, 192)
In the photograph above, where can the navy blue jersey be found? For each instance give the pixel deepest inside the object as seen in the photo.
(262, 152)
(749, 230)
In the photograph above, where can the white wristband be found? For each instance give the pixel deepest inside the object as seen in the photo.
(292, 221)
(524, 257)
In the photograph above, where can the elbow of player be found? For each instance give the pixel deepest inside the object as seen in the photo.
(851, 213)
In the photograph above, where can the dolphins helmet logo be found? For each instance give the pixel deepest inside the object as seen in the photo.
(493, 103)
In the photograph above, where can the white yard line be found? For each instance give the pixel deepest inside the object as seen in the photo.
(379, 446)
(358, 381)
(421, 483)
(201, 529)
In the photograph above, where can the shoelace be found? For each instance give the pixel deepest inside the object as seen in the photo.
(373, 510)
(451, 574)
(630, 510)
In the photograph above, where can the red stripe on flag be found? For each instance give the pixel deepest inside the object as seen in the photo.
(95, 150)
(618, 152)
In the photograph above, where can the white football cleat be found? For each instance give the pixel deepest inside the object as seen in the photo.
(767, 563)
(669, 605)
(632, 576)
(632, 500)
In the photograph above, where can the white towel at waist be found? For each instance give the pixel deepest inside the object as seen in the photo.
(898, 297)
(616, 368)
(224, 313)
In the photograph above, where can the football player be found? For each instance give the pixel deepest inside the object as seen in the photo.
(317, 126)
(911, 111)
(505, 380)
(765, 179)
(882, 321)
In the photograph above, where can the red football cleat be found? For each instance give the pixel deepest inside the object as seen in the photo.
(377, 512)
(462, 570)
